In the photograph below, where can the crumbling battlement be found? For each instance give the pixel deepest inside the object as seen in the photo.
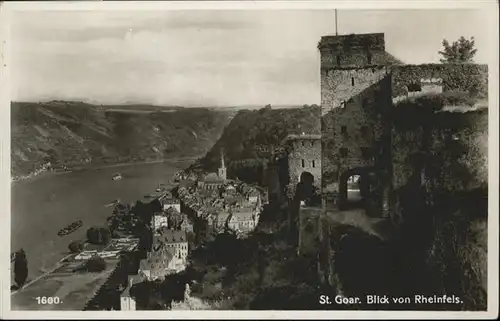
(355, 50)
(470, 78)
(353, 42)
(357, 55)
(341, 83)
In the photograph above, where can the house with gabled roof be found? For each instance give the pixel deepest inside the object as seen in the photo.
(168, 238)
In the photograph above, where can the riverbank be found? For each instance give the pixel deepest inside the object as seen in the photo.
(62, 198)
(47, 173)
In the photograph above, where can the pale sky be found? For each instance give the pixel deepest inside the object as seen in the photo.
(209, 58)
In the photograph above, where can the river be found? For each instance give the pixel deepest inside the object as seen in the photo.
(40, 207)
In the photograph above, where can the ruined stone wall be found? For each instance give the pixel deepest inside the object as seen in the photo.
(355, 50)
(305, 152)
(447, 152)
(406, 144)
(471, 78)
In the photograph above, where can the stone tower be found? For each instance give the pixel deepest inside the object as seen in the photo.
(349, 65)
(222, 169)
(304, 156)
(356, 92)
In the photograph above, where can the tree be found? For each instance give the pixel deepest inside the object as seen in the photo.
(460, 51)
(20, 268)
(145, 235)
(148, 295)
(98, 235)
(95, 264)
(75, 246)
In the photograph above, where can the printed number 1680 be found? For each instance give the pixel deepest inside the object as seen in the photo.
(48, 300)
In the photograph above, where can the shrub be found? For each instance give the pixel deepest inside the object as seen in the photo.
(98, 235)
(20, 268)
(95, 264)
(75, 246)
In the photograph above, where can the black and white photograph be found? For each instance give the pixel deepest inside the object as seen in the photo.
(314, 159)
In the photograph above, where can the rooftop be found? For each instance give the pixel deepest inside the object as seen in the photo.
(172, 211)
(132, 279)
(170, 236)
(158, 259)
(244, 215)
(231, 200)
(223, 215)
(170, 200)
(212, 178)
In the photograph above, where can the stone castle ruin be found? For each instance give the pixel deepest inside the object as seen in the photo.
(360, 82)
(368, 148)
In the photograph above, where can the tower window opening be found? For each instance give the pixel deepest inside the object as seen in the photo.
(343, 131)
(303, 163)
(313, 163)
(352, 81)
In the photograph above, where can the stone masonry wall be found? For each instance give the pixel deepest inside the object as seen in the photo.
(354, 51)
(455, 77)
(458, 141)
(357, 127)
(337, 84)
(308, 150)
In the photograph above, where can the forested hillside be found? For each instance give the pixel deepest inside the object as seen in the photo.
(249, 140)
(77, 134)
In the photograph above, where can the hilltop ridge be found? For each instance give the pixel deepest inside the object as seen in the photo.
(75, 134)
(249, 140)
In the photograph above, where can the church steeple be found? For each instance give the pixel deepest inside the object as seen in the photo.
(222, 168)
(222, 159)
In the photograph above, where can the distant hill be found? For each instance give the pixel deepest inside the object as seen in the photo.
(127, 106)
(75, 134)
(252, 135)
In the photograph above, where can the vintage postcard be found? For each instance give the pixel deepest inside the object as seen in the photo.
(214, 160)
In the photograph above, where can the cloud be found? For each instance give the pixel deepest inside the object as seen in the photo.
(92, 25)
(204, 57)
